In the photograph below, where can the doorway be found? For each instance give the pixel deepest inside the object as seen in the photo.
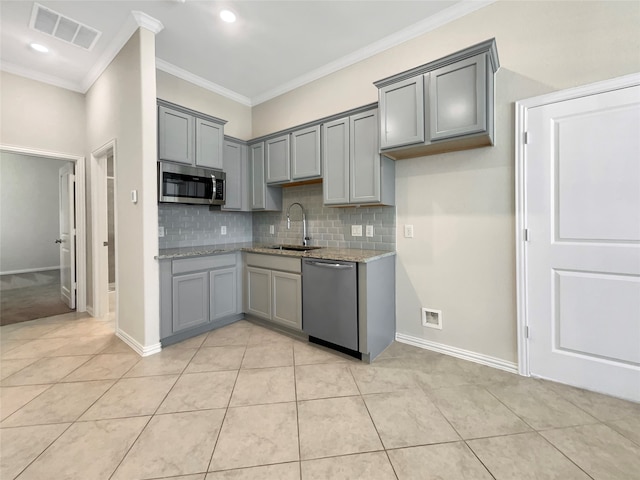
(579, 257)
(42, 248)
(104, 220)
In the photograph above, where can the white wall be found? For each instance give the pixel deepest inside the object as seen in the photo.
(462, 258)
(121, 106)
(178, 91)
(39, 116)
(29, 213)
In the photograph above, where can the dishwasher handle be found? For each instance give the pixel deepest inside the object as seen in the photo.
(340, 266)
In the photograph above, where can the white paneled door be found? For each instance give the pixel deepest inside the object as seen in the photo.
(67, 238)
(582, 207)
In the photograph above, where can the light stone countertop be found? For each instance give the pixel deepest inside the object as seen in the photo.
(324, 253)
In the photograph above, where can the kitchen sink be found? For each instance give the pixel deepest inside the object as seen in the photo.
(295, 248)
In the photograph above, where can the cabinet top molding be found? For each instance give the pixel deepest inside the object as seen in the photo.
(488, 46)
(188, 111)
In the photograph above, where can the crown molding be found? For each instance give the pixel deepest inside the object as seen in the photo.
(40, 77)
(448, 15)
(145, 21)
(201, 82)
(134, 21)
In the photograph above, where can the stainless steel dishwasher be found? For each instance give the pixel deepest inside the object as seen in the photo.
(330, 302)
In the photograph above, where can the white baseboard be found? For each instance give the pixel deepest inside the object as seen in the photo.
(90, 310)
(30, 270)
(480, 358)
(140, 349)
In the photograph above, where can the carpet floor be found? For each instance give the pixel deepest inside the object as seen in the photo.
(27, 296)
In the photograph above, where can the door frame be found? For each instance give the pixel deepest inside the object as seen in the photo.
(99, 229)
(522, 108)
(80, 204)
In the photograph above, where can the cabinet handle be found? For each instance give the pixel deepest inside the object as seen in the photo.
(330, 265)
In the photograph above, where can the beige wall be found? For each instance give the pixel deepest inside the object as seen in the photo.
(121, 106)
(40, 116)
(462, 257)
(181, 92)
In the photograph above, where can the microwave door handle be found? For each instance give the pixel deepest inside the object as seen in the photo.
(213, 181)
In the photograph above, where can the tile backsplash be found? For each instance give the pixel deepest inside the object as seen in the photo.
(327, 226)
(195, 225)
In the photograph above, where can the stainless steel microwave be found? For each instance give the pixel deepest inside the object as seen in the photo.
(191, 185)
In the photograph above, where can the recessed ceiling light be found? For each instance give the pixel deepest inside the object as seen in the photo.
(39, 48)
(228, 16)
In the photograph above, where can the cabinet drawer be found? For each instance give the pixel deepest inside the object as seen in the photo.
(195, 264)
(275, 262)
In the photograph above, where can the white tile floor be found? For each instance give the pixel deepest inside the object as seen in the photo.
(244, 402)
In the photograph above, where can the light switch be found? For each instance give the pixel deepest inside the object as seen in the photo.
(223, 230)
(356, 230)
(160, 231)
(134, 196)
(369, 230)
(408, 231)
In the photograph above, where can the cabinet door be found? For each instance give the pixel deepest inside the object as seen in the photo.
(259, 292)
(457, 98)
(335, 159)
(287, 299)
(175, 136)
(209, 140)
(277, 160)
(190, 300)
(223, 287)
(402, 113)
(305, 153)
(365, 158)
(236, 181)
(256, 157)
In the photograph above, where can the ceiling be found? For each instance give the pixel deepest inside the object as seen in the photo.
(273, 47)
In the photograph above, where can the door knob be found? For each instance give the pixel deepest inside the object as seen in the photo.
(105, 244)
(59, 240)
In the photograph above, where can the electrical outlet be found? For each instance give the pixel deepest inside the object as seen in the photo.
(408, 231)
(272, 229)
(160, 231)
(369, 230)
(356, 230)
(223, 230)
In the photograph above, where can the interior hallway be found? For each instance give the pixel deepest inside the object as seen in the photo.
(244, 402)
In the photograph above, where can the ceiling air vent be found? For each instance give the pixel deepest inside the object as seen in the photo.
(52, 23)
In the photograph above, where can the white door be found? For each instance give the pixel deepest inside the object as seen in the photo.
(582, 197)
(67, 238)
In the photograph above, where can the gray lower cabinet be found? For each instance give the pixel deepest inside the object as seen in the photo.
(262, 197)
(273, 289)
(190, 300)
(354, 171)
(306, 162)
(197, 294)
(442, 106)
(277, 159)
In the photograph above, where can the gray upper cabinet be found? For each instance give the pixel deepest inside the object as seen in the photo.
(190, 137)
(262, 196)
(236, 166)
(402, 113)
(335, 148)
(305, 154)
(175, 136)
(457, 98)
(209, 141)
(354, 171)
(277, 159)
(455, 112)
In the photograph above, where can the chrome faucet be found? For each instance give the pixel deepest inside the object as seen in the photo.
(305, 239)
